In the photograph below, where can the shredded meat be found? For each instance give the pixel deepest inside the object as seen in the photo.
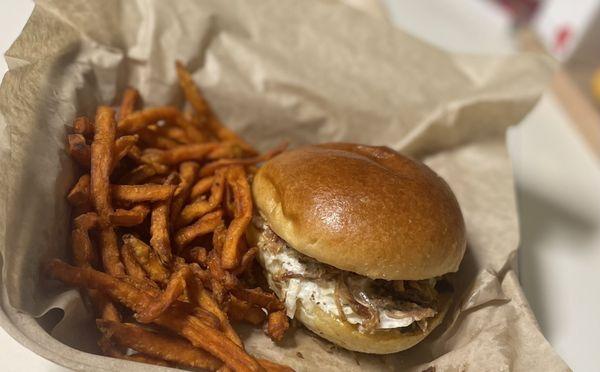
(369, 299)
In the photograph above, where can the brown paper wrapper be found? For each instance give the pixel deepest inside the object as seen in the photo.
(308, 72)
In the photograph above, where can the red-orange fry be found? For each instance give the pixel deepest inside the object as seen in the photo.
(79, 149)
(122, 147)
(277, 325)
(174, 132)
(133, 268)
(210, 168)
(138, 175)
(80, 192)
(241, 310)
(179, 154)
(194, 96)
(141, 119)
(197, 332)
(176, 350)
(208, 303)
(190, 129)
(259, 297)
(141, 193)
(225, 134)
(128, 102)
(83, 125)
(236, 178)
(147, 258)
(203, 226)
(130, 217)
(201, 187)
(109, 251)
(246, 260)
(101, 165)
(188, 172)
(83, 250)
(199, 207)
(153, 139)
(174, 289)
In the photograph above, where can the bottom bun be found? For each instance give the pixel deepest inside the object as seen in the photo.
(347, 335)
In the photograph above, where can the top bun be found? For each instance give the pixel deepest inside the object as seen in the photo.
(363, 209)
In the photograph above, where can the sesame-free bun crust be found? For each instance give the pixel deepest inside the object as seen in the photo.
(349, 337)
(363, 209)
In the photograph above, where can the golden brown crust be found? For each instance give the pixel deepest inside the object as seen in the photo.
(364, 209)
(347, 335)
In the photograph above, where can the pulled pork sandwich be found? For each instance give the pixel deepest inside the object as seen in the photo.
(358, 241)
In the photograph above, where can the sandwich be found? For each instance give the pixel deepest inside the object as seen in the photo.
(359, 242)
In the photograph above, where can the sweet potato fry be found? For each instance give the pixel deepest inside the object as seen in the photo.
(218, 274)
(132, 266)
(130, 217)
(194, 134)
(210, 168)
(229, 150)
(188, 172)
(246, 261)
(108, 348)
(80, 192)
(141, 193)
(218, 241)
(175, 287)
(122, 147)
(79, 149)
(176, 350)
(146, 257)
(203, 226)
(175, 133)
(159, 230)
(225, 134)
(141, 119)
(193, 95)
(138, 175)
(201, 187)
(109, 251)
(84, 126)
(83, 250)
(159, 224)
(102, 156)
(84, 255)
(192, 328)
(259, 297)
(199, 207)
(152, 139)
(236, 178)
(191, 91)
(277, 324)
(208, 303)
(241, 310)
(179, 154)
(104, 306)
(198, 254)
(128, 102)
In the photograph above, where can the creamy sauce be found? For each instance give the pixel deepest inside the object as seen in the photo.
(277, 259)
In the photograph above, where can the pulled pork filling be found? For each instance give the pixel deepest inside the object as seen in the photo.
(371, 304)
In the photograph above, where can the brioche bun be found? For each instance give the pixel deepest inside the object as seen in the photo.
(368, 210)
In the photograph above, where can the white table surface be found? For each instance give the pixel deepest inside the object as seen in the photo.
(557, 182)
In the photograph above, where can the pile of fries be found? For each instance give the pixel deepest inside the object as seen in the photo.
(158, 235)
